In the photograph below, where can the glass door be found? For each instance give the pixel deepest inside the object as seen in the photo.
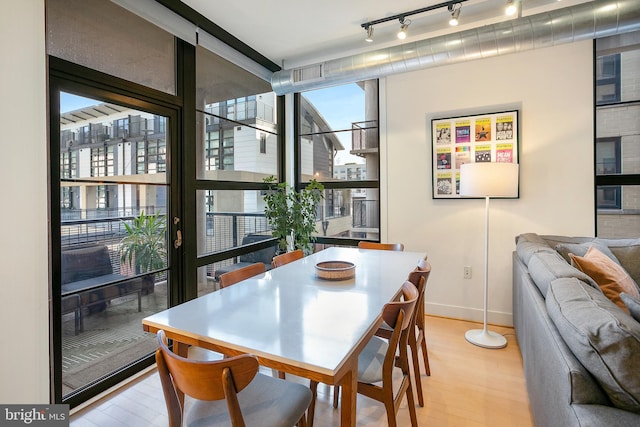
(116, 234)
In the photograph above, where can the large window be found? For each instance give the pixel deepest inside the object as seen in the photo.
(237, 148)
(338, 145)
(112, 80)
(617, 145)
(133, 141)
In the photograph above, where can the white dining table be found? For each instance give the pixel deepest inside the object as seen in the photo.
(293, 321)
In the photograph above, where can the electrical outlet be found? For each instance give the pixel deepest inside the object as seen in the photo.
(467, 272)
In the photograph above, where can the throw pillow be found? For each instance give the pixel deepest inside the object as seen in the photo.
(633, 304)
(603, 338)
(628, 255)
(580, 249)
(610, 276)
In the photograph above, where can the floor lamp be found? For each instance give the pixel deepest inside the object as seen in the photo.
(487, 180)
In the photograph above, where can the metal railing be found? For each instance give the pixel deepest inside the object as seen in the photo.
(366, 214)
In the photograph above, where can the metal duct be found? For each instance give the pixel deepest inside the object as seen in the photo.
(585, 21)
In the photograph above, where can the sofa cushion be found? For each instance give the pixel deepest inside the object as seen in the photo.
(633, 305)
(609, 275)
(530, 243)
(603, 338)
(547, 266)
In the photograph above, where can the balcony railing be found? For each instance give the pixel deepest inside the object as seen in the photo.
(366, 214)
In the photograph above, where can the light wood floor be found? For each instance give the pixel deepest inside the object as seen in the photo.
(469, 386)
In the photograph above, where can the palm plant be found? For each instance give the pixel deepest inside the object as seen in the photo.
(144, 247)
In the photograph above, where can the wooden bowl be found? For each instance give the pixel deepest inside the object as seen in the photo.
(335, 270)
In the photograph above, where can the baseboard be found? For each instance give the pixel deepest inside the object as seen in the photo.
(470, 314)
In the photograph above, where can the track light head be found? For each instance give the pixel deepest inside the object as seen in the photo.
(511, 8)
(455, 14)
(369, 30)
(404, 25)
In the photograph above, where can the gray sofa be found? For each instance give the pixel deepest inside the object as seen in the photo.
(580, 352)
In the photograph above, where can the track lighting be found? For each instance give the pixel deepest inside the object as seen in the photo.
(511, 8)
(455, 13)
(404, 25)
(454, 7)
(369, 30)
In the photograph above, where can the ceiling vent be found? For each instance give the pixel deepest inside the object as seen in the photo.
(307, 74)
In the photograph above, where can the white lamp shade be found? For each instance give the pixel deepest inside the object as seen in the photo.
(489, 179)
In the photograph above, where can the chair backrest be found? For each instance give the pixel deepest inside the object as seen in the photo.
(363, 244)
(399, 315)
(419, 276)
(235, 276)
(392, 309)
(286, 258)
(422, 271)
(203, 380)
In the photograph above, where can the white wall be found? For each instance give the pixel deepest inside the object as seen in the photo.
(552, 88)
(23, 173)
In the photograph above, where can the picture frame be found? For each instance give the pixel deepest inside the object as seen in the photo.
(488, 137)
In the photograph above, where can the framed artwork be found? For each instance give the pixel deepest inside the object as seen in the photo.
(491, 137)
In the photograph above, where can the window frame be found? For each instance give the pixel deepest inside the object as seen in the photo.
(330, 184)
(618, 180)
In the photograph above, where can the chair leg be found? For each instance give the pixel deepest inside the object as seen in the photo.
(390, 407)
(313, 385)
(416, 367)
(336, 396)
(423, 343)
(411, 406)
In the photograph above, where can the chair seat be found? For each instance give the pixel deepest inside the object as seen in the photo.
(266, 401)
(371, 359)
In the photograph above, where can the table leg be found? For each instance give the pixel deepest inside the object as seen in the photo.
(349, 385)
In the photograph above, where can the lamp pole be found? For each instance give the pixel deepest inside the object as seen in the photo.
(484, 337)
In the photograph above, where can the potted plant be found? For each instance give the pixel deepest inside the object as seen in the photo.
(144, 246)
(292, 215)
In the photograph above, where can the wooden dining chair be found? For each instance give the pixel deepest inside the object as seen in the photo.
(417, 340)
(365, 244)
(380, 357)
(422, 271)
(235, 276)
(227, 392)
(286, 258)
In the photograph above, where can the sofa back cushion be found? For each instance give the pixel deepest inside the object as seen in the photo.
(85, 263)
(580, 249)
(545, 267)
(604, 338)
(530, 243)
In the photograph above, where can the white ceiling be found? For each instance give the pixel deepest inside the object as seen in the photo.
(292, 33)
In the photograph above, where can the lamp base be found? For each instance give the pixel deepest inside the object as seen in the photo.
(486, 339)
